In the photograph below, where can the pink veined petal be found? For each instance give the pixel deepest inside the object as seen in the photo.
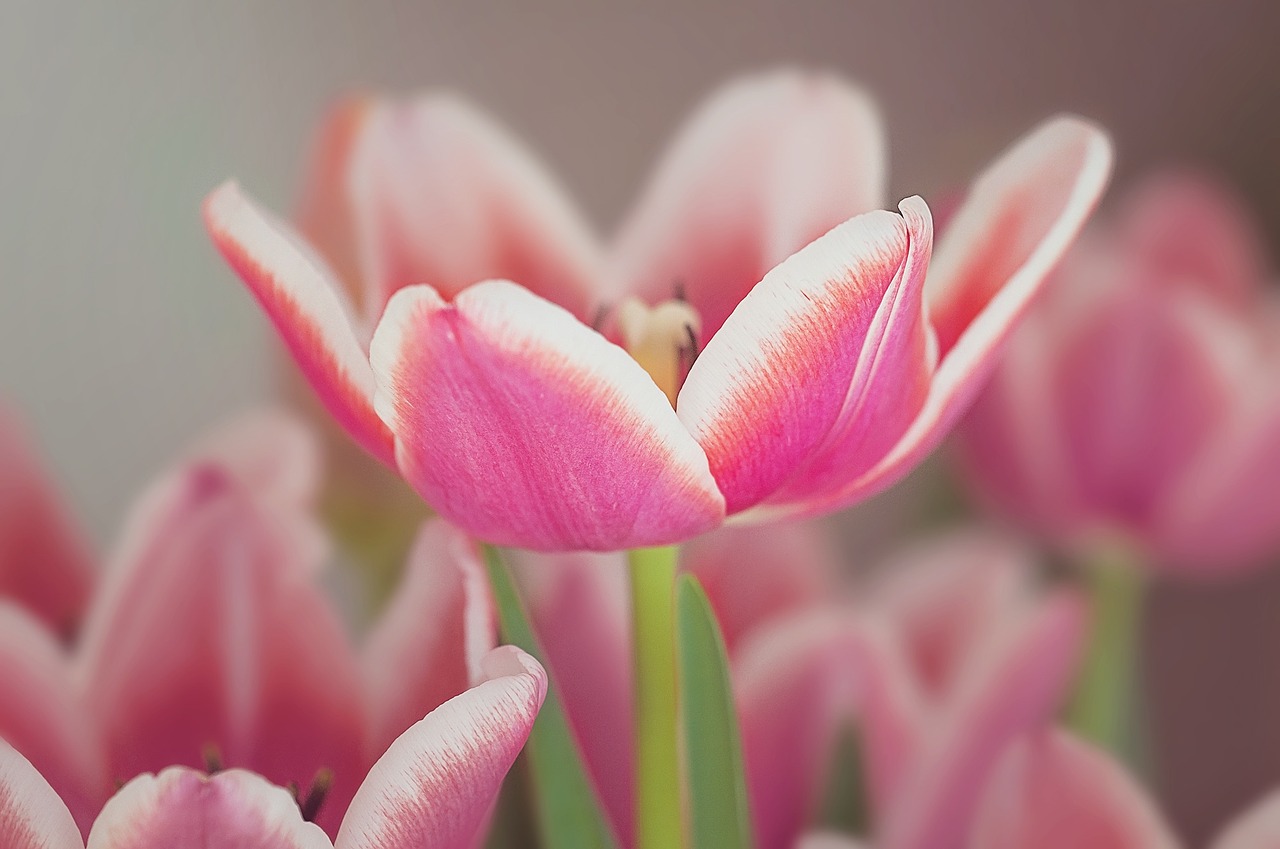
(579, 604)
(525, 427)
(1256, 828)
(210, 631)
(1016, 222)
(45, 563)
(305, 302)
(270, 451)
(427, 646)
(443, 196)
(31, 814)
(435, 786)
(1052, 791)
(765, 166)
(42, 716)
(785, 376)
(798, 683)
(184, 808)
(1028, 667)
(754, 575)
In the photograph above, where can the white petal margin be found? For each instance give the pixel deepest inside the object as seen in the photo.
(435, 786)
(31, 814)
(1257, 828)
(306, 303)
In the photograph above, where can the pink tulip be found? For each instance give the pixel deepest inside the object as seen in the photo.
(828, 365)
(1141, 398)
(433, 788)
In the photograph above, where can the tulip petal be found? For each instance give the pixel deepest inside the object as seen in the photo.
(1257, 828)
(443, 196)
(1053, 791)
(305, 302)
(765, 166)
(41, 715)
(31, 814)
(527, 428)
(793, 395)
(45, 563)
(1018, 219)
(270, 451)
(435, 786)
(210, 631)
(184, 808)
(427, 646)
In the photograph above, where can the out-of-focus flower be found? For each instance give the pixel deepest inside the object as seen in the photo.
(1141, 399)
(433, 788)
(210, 641)
(830, 365)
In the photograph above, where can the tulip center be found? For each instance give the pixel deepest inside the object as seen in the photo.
(663, 339)
(309, 803)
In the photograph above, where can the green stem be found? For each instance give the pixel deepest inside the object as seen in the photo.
(1105, 704)
(659, 814)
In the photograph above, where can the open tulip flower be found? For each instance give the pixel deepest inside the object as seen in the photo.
(1141, 400)
(761, 339)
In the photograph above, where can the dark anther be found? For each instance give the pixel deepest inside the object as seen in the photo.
(689, 352)
(677, 290)
(212, 758)
(597, 321)
(310, 804)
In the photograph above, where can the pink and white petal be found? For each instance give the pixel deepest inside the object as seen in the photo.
(1256, 828)
(305, 302)
(428, 645)
(527, 428)
(765, 166)
(31, 814)
(435, 786)
(1018, 219)
(41, 715)
(270, 451)
(45, 561)
(183, 807)
(772, 385)
(1027, 670)
(756, 574)
(798, 683)
(579, 604)
(1053, 791)
(211, 632)
(445, 197)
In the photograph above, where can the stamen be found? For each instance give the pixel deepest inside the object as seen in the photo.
(212, 758)
(659, 338)
(311, 804)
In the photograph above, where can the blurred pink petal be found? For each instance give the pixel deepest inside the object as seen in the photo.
(1052, 791)
(765, 166)
(427, 646)
(180, 807)
(435, 786)
(528, 428)
(1256, 828)
(31, 814)
(45, 563)
(269, 451)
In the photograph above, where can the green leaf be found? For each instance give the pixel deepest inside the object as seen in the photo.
(567, 808)
(713, 749)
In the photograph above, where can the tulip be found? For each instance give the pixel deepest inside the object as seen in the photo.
(825, 367)
(433, 788)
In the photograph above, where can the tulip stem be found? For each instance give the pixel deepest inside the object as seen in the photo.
(659, 806)
(1104, 707)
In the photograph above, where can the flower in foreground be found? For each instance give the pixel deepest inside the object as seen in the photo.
(1141, 400)
(826, 365)
(433, 789)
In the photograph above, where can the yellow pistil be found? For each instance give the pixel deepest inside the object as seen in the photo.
(662, 339)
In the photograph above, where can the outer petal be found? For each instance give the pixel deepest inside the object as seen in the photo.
(44, 561)
(1016, 222)
(767, 165)
(525, 427)
(303, 299)
(271, 452)
(184, 808)
(434, 787)
(1257, 828)
(794, 377)
(42, 716)
(210, 631)
(31, 814)
(1055, 792)
(427, 647)
(443, 196)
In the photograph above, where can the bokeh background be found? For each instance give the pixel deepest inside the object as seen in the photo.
(121, 334)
